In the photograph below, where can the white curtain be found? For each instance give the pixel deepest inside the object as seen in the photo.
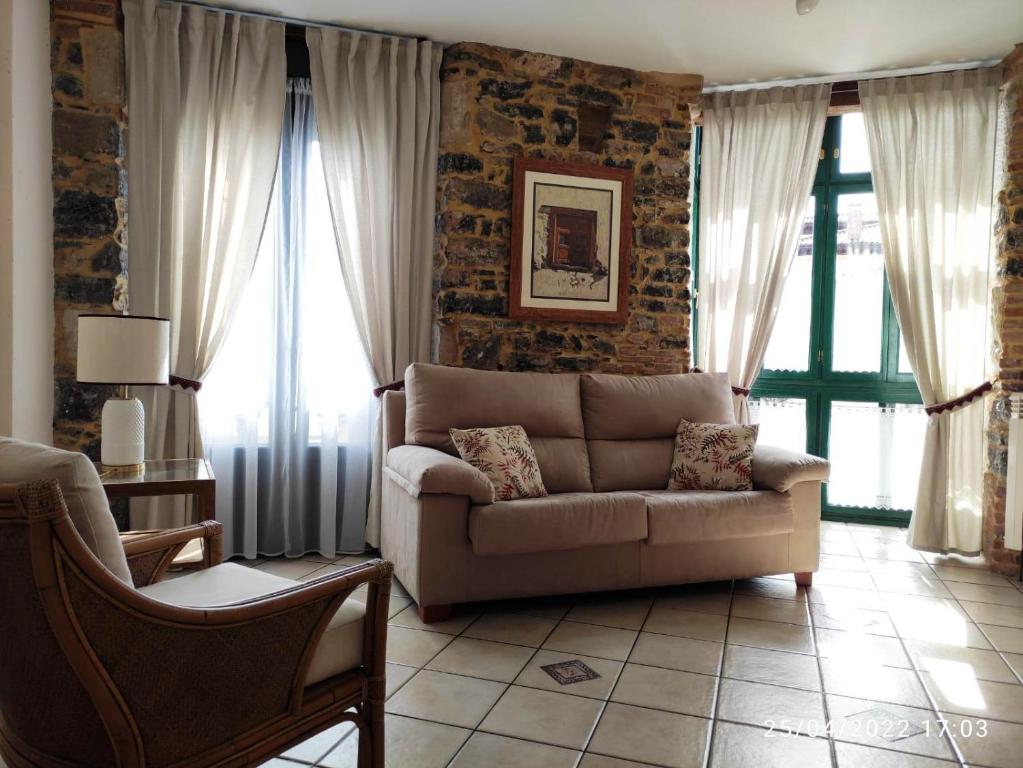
(287, 408)
(377, 110)
(931, 143)
(205, 99)
(760, 149)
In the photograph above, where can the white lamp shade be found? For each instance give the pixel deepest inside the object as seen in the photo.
(123, 349)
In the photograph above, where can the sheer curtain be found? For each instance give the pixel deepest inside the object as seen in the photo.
(932, 149)
(205, 97)
(288, 407)
(378, 113)
(759, 155)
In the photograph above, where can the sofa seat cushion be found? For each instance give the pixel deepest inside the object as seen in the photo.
(340, 648)
(557, 523)
(678, 517)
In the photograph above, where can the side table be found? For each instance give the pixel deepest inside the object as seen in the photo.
(166, 477)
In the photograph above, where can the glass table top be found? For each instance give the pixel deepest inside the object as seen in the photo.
(158, 471)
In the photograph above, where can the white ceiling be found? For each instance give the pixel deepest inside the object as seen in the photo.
(727, 41)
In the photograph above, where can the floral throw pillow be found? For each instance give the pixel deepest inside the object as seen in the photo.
(505, 455)
(713, 457)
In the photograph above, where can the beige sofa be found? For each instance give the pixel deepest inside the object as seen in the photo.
(604, 444)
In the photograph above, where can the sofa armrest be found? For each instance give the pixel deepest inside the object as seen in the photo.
(420, 470)
(779, 469)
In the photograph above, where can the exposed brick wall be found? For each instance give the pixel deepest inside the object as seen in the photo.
(499, 104)
(1007, 304)
(89, 194)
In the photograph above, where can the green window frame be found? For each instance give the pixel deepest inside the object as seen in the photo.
(819, 385)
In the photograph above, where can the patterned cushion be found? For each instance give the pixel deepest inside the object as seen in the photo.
(713, 457)
(504, 455)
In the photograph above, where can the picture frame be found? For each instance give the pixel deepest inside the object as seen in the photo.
(571, 249)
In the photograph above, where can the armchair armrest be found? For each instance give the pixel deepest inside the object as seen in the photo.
(150, 553)
(420, 470)
(779, 469)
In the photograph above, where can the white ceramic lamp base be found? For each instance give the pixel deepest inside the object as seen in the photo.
(123, 441)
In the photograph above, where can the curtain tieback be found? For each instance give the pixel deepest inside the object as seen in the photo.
(183, 385)
(737, 391)
(959, 402)
(394, 386)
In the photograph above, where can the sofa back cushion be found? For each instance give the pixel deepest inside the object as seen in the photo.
(86, 502)
(631, 421)
(546, 405)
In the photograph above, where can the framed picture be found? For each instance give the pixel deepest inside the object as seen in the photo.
(571, 242)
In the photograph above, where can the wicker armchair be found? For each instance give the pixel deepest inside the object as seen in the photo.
(95, 672)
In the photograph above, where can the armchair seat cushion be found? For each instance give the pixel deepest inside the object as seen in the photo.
(340, 648)
(677, 517)
(557, 522)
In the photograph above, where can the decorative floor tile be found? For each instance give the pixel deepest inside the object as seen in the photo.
(487, 750)
(650, 736)
(742, 746)
(535, 676)
(848, 725)
(570, 672)
(554, 718)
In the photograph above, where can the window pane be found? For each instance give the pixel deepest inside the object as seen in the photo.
(789, 347)
(782, 421)
(853, 155)
(875, 453)
(904, 366)
(859, 286)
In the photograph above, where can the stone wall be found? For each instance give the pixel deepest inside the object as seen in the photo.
(87, 61)
(1007, 303)
(499, 104)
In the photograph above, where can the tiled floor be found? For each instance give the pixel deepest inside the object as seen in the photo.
(892, 658)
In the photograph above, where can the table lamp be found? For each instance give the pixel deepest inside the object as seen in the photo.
(123, 350)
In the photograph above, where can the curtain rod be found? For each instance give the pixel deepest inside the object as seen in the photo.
(208, 6)
(853, 76)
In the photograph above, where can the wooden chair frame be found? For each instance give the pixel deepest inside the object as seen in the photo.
(79, 597)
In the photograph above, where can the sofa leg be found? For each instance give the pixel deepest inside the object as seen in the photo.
(804, 579)
(429, 614)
